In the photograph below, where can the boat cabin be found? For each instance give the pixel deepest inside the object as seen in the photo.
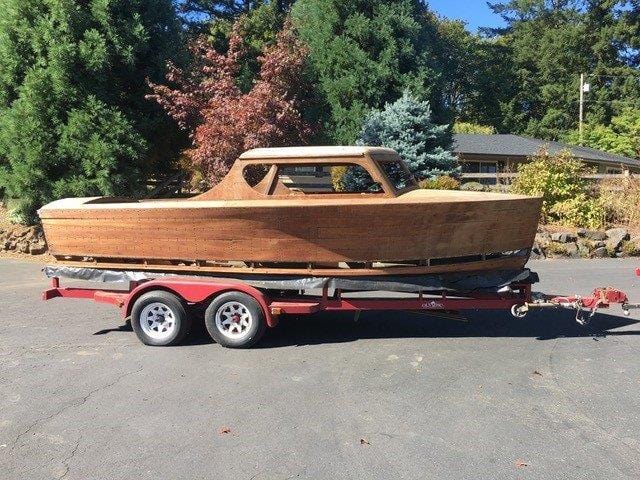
(314, 172)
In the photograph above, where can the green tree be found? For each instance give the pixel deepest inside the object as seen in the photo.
(364, 54)
(551, 43)
(407, 127)
(474, 73)
(621, 136)
(198, 15)
(258, 28)
(466, 127)
(73, 117)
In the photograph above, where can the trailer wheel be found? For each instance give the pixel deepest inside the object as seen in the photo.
(235, 320)
(159, 318)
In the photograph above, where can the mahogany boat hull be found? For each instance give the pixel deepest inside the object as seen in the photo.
(429, 231)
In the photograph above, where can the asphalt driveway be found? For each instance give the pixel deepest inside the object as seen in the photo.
(395, 395)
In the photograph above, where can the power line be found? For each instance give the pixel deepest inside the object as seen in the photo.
(613, 76)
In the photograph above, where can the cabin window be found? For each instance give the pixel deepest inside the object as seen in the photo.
(255, 173)
(397, 174)
(310, 178)
(324, 179)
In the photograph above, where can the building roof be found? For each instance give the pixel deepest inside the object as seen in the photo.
(311, 152)
(507, 145)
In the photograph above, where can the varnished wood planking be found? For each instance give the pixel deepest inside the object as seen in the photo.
(312, 228)
(289, 240)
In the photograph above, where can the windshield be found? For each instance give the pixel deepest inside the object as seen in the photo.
(397, 173)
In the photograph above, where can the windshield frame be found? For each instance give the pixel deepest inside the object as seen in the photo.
(379, 160)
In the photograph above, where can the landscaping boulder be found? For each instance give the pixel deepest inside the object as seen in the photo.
(615, 237)
(37, 249)
(600, 252)
(22, 247)
(541, 242)
(537, 252)
(572, 250)
(595, 235)
(563, 237)
(631, 248)
(584, 247)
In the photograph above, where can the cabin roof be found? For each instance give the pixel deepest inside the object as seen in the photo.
(314, 152)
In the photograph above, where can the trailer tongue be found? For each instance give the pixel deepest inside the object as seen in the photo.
(238, 312)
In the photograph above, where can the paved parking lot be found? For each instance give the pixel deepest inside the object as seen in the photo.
(393, 396)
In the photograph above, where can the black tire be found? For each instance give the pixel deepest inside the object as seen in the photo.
(228, 303)
(158, 304)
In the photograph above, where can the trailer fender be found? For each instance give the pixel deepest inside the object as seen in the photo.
(198, 291)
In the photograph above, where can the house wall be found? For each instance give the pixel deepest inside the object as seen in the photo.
(475, 168)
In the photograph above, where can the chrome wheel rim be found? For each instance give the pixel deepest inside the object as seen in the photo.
(158, 321)
(233, 320)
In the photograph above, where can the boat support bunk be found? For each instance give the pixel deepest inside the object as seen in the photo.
(238, 312)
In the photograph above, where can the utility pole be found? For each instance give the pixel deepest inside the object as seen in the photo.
(581, 108)
(584, 88)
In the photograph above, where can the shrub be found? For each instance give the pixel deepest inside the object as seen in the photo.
(630, 248)
(558, 179)
(580, 211)
(620, 199)
(499, 188)
(472, 187)
(337, 178)
(443, 182)
(556, 249)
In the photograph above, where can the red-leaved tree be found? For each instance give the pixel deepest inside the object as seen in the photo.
(222, 120)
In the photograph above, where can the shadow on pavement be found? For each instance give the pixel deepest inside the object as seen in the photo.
(341, 327)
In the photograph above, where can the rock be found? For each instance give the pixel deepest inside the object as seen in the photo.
(615, 237)
(4, 245)
(11, 245)
(537, 252)
(22, 247)
(542, 240)
(599, 244)
(37, 249)
(584, 247)
(536, 255)
(595, 235)
(563, 237)
(631, 248)
(600, 252)
(572, 250)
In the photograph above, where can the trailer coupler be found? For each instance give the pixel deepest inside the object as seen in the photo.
(585, 307)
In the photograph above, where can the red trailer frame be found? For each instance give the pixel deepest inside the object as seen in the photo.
(518, 298)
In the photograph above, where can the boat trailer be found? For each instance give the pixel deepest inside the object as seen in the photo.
(237, 314)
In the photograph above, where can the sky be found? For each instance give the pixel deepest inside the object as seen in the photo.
(475, 12)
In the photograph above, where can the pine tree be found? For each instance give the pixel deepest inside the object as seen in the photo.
(407, 127)
(364, 53)
(73, 117)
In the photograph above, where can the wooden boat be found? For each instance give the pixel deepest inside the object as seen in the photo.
(277, 212)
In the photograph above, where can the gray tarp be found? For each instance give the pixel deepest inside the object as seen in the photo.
(490, 281)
